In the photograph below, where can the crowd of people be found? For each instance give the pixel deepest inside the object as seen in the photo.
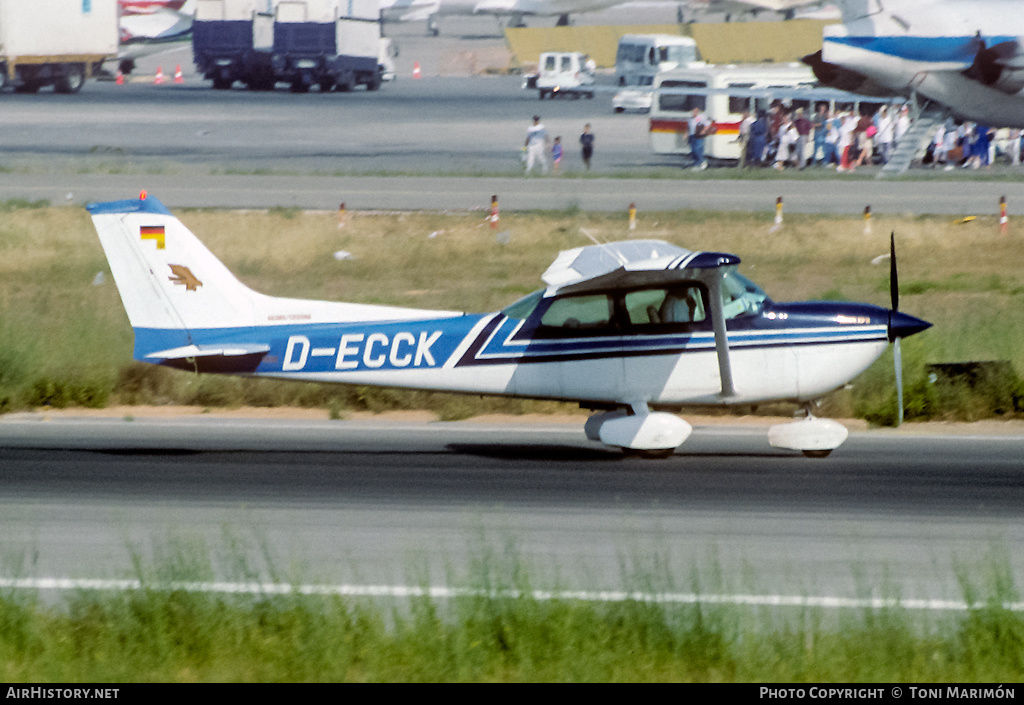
(780, 137)
(783, 138)
(968, 145)
(845, 140)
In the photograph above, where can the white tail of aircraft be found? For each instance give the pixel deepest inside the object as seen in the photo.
(172, 285)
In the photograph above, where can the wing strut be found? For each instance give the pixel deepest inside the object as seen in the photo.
(721, 337)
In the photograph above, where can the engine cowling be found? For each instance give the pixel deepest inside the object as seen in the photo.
(1000, 66)
(844, 79)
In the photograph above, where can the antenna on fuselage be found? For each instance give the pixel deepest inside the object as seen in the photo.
(607, 246)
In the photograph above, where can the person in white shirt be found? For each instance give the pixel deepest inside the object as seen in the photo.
(788, 137)
(902, 124)
(537, 141)
(700, 127)
(886, 133)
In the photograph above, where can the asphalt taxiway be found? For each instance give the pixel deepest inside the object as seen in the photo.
(374, 502)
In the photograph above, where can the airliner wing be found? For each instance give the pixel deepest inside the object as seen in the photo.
(496, 7)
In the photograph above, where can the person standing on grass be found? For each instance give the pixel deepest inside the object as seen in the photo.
(587, 144)
(537, 142)
(556, 155)
(700, 129)
(758, 139)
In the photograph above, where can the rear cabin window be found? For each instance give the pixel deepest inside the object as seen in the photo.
(573, 314)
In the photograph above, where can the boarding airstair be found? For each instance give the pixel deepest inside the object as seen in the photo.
(913, 141)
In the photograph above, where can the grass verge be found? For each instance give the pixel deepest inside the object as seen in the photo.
(496, 628)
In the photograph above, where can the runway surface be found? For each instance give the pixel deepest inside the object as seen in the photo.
(519, 194)
(889, 514)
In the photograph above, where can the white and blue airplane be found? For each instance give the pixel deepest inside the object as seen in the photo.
(965, 55)
(632, 330)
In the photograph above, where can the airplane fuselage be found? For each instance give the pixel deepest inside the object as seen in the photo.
(935, 49)
(397, 9)
(795, 351)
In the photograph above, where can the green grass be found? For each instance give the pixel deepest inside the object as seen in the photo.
(66, 341)
(498, 628)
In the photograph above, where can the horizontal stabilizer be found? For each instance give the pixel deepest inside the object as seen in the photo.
(224, 359)
(189, 351)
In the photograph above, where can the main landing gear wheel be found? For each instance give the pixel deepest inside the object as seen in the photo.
(638, 431)
(649, 454)
(814, 437)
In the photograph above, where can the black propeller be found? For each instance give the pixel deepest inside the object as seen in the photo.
(894, 280)
(894, 295)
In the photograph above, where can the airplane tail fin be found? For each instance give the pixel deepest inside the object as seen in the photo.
(187, 309)
(171, 285)
(856, 9)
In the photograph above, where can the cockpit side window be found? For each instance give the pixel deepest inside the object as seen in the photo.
(676, 306)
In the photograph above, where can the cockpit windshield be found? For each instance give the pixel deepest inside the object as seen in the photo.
(522, 308)
(740, 296)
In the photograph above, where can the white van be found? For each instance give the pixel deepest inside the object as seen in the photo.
(567, 73)
(640, 59)
(679, 92)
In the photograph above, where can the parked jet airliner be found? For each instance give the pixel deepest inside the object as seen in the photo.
(966, 55)
(515, 10)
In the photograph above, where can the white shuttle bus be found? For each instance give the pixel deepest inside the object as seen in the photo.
(678, 92)
(641, 58)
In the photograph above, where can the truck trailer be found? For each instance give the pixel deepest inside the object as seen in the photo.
(57, 43)
(328, 43)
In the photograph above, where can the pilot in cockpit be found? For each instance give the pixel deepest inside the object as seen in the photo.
(681, 307)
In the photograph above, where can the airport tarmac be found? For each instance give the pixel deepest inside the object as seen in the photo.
(439, 142)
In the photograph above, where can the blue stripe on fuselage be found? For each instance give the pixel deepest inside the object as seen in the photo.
(315, 348)
(502, 344)
(925, 49)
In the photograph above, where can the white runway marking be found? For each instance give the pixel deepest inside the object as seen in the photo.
(443, 593)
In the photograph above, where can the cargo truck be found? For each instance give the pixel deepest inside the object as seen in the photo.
(328, 43)
(57, 43)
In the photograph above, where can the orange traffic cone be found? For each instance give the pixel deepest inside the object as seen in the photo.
(159, 75)
(119, 79)
(416, 70)
(178, 78)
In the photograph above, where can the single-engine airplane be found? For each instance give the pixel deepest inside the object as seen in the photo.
(629, 329)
